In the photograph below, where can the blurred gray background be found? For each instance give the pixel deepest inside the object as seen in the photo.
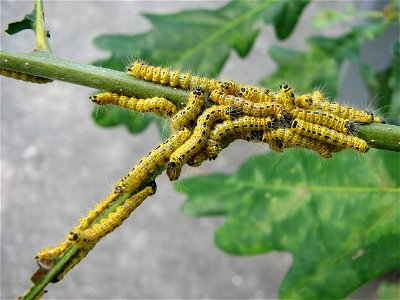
(56, 164)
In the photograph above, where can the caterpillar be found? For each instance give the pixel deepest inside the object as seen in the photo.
(325, 119)
(79, 255)
(282, 138)
(93, 234)
(52, 252)
(329, 135)
(248, 92)
(190, 112)
(24, 76)
(345, 112)
(157, 105)
(148, 164)
(240, 128)
(308, 101)
(246, 106)
(170, 77)
(198, 139)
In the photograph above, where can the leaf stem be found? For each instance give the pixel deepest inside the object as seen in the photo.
(42, 43)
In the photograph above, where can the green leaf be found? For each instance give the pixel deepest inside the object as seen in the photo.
(305, 70)
(195, 40)
(28, 22)
(338, 218)
(110, 116)
(319, 66)
(286, 20)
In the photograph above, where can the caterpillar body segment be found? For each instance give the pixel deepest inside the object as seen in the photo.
(328, 135)
(283, 138)
(96, 211)
(246, 106)
(325, 119)
(241, 128)
(158, 105)
(198, 139)
(93, 234)
(286, 97)
(24, 76)
(190, 112)
(171, 77)
(150, 163)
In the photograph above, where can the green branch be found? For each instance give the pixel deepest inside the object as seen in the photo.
(42, 43)
(49, 66)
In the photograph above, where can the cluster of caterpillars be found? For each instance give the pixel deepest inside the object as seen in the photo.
(216, 114)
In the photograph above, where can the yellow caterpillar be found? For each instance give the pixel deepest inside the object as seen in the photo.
(24, 76)
(170, 77)
(325, 119)
(246, 106)
(148, 164)
(282, 138)
(198, 139)
(252, 93)
(329, 135)
(157, 105)
(240, 128)
(345, 112)
(93, 234)
(190, 112)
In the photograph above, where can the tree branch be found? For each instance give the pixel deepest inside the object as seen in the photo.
(43, 64)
